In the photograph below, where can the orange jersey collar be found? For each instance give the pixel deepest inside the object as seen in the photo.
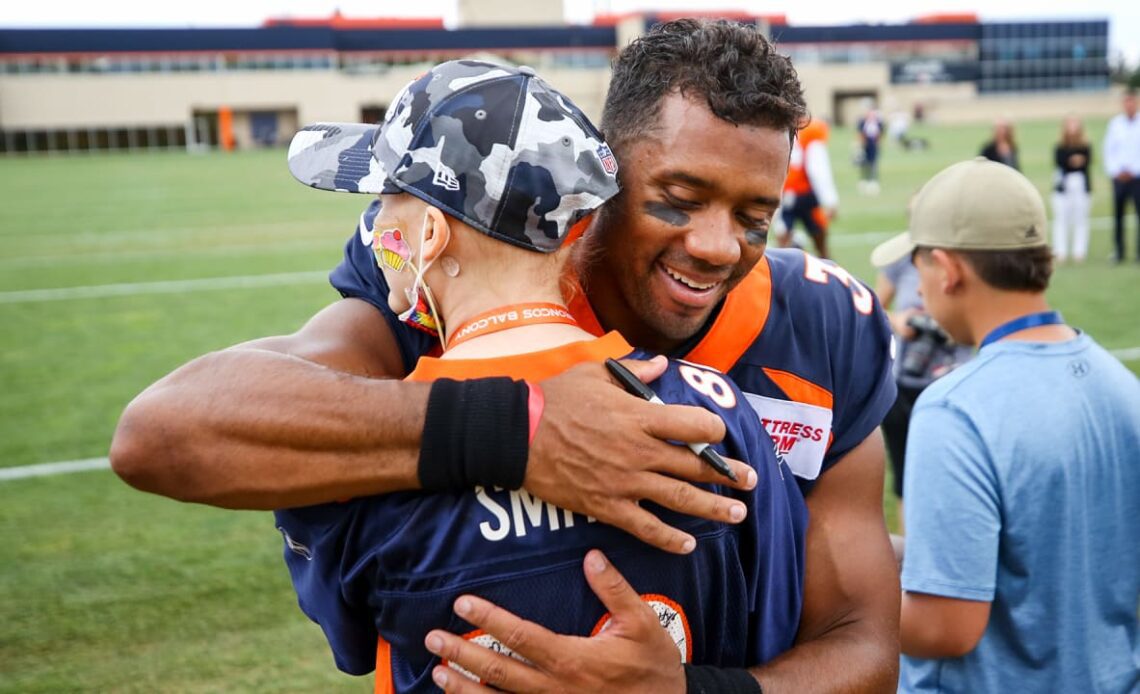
(532, 366)
(739, 322)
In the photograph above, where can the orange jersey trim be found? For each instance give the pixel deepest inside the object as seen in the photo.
(384, 684)
(532, 366)
(800, 389)
(739, 323)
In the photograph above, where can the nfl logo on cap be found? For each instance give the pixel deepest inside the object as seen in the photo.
(609, 162)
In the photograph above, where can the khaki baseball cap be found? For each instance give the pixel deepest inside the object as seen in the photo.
(976, 205)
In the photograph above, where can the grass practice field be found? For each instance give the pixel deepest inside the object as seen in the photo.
(116, 268)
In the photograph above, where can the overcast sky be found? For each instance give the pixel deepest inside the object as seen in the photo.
(1124, 15)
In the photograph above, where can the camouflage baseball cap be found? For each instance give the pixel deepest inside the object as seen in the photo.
(493, 146)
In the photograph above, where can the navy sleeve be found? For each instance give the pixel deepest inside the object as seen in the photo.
(772, 537)
(315, 554)
(863, 357)
(839, 338)
(358, 277)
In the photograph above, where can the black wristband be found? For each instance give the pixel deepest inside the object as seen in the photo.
(475, 433)
(707, 679)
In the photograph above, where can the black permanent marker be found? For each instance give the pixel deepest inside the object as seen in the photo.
(634, 385)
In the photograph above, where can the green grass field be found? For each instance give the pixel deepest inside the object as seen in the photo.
(109, 589)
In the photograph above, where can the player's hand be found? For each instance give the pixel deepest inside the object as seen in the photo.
(599, 451)
(633, 654)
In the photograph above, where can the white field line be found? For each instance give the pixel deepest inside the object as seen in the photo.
(259, 248)
(48, 469)
(101, 291)
(1126, 354)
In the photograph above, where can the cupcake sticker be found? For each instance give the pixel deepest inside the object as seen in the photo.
(391, 250)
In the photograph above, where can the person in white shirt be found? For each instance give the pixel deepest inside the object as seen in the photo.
(1072, 192)
(1122, 163)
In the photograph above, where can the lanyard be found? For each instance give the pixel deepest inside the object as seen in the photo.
(1018, 324)
(513, 316)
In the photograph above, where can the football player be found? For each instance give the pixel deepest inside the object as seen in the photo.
(466, 258)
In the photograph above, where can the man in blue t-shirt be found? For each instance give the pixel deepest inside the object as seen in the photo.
(923, 353)
(1022, 566)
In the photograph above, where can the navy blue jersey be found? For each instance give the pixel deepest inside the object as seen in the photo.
(807, 343)
(810, 346)
(378, 573)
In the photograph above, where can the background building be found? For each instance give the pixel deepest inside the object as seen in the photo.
(97, 89)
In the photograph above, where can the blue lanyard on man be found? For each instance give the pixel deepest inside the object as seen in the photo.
(1033, 320)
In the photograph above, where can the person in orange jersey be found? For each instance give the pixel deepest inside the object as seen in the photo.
(810, 197)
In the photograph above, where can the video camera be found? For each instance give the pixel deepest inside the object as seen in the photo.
(929, 341)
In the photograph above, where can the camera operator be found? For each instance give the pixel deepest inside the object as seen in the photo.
(925, 353)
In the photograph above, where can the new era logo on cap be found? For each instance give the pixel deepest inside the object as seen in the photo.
(491, 145)
(445, 179)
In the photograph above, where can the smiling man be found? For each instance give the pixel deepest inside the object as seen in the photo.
(686, 229)
(678, 261)
(701, 116)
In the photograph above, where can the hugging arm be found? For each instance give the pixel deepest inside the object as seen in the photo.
(320, 415)
(280, 422)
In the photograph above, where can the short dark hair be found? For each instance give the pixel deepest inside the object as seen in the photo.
(1021, 270)
(731, 66)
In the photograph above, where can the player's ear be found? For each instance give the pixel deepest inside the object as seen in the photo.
(951, 269)
(437, 233)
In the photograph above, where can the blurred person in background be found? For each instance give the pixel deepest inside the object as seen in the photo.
(1022, 565)
(810, 196)
(1122, 162)
(1072, 192)
(869, 130)
(924, 352)
(899, 129)
(1003, 147)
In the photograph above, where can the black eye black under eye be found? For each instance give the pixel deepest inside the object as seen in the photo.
(666, 212)
(756, 237)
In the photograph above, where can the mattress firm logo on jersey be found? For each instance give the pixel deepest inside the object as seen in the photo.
(516, 512)
(800, 432)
